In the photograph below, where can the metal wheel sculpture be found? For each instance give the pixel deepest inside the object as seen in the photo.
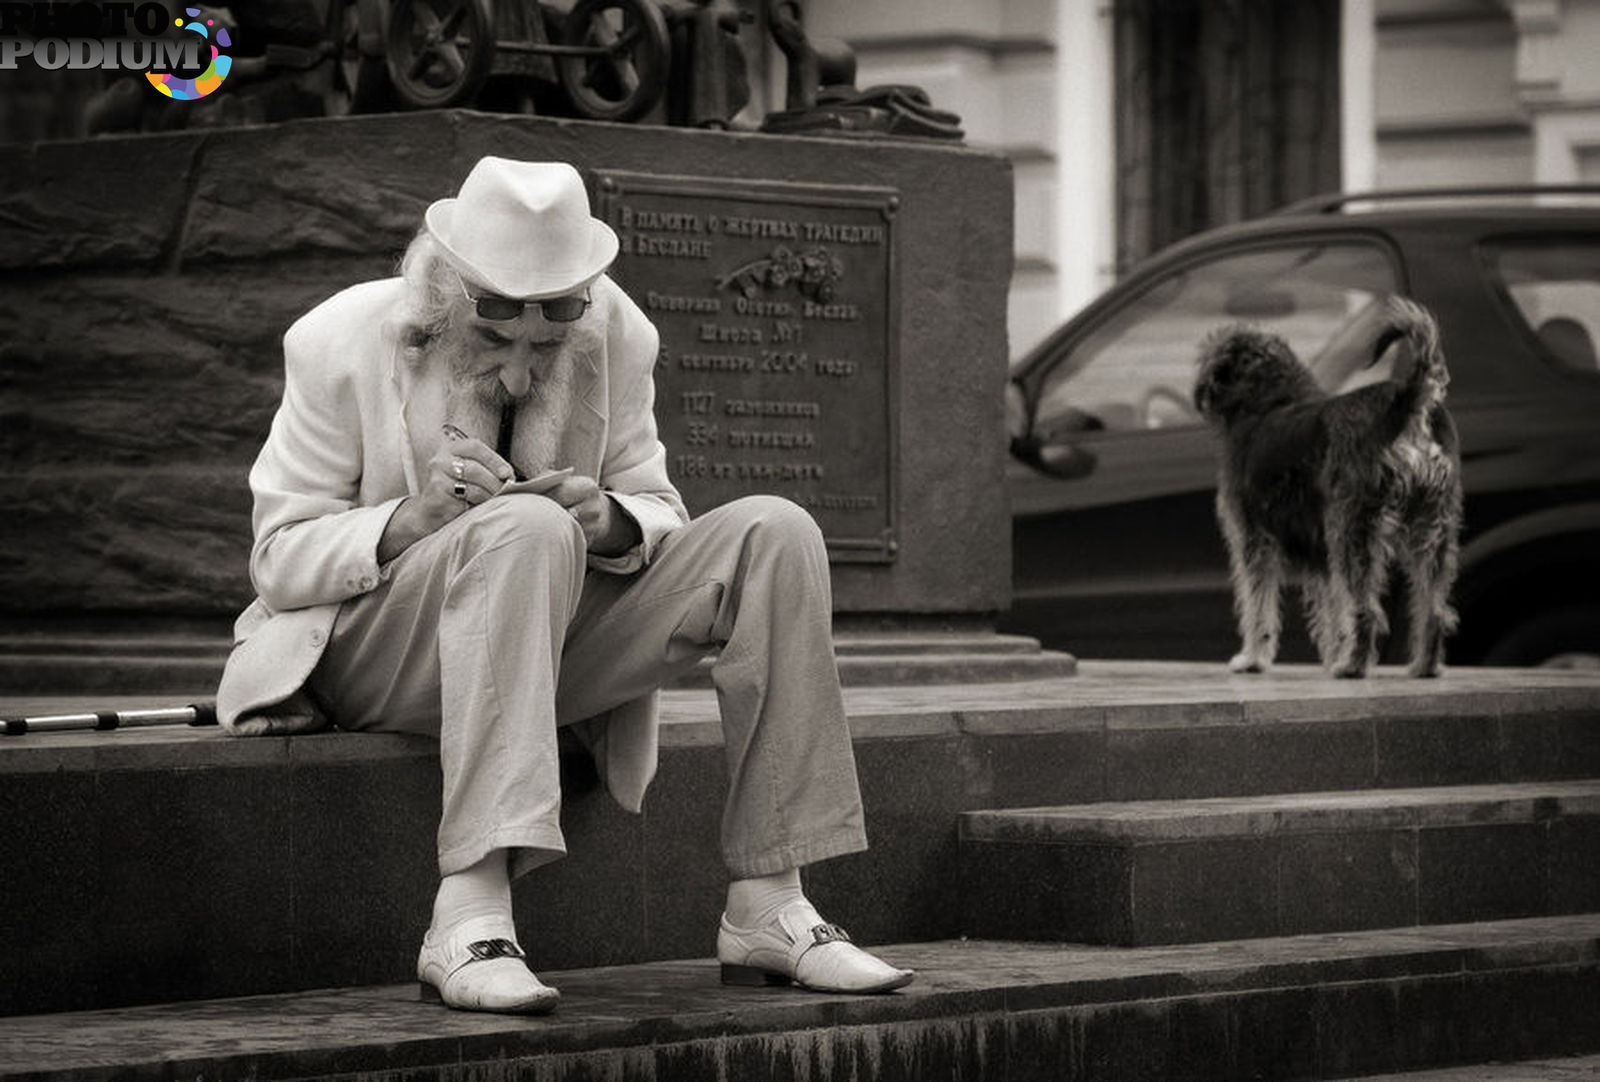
(615, 63)
(358, 82)
(439, 52)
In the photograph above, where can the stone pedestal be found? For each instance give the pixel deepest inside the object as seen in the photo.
(832, 315)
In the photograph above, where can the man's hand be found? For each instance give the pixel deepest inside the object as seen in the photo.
(461, 464)
(608, 529)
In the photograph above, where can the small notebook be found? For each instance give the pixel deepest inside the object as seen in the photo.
(541, 482)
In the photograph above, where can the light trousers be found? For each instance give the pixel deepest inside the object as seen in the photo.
(491, 633)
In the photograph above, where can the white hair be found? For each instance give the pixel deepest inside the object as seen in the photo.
(429, 306)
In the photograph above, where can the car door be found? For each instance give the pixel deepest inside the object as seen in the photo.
(1116, 552)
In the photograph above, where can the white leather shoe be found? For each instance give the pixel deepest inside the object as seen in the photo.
(479, 967)
(799, 946)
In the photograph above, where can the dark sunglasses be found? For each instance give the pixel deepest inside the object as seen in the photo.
(498, 308)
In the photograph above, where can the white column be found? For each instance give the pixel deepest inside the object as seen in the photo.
(1357, 112)
(1086, 152)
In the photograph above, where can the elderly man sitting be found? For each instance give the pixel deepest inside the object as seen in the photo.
(464, 528)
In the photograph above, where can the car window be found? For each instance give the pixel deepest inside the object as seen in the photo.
(1136, 370)
(1554, 287)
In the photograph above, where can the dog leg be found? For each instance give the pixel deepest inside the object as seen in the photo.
(1359, 552)
(1257, 580)
(1432, 617)
(1322, 616)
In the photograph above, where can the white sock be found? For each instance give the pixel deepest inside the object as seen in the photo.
(482, 890)
(754, 902)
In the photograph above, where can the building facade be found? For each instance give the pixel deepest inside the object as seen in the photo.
(1130, 123)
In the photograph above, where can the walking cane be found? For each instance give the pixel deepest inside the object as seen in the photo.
(201, 713)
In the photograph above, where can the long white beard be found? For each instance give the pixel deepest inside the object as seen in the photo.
(474, 404)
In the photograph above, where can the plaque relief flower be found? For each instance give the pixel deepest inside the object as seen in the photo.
(820, 269)
(814, 272)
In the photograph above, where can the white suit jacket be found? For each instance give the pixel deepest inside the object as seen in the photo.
(339, 460)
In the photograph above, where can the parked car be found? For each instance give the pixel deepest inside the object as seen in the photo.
(1115, 543)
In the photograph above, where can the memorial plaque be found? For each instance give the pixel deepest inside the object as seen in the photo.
(778, 310)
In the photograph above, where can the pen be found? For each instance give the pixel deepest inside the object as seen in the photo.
(455, 433)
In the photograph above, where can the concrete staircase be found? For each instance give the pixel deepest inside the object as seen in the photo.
(1184, 871)
(1144, 871)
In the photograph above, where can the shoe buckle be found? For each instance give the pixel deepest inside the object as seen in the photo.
(485, 949)
(828, 933)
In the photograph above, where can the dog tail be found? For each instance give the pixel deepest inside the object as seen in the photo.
(1420, 375)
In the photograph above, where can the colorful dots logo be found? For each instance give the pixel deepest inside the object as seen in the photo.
(207, 81)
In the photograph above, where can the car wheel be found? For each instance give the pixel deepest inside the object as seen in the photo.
(1564, 638)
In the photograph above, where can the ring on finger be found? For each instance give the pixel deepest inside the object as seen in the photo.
(459, 490)
(459, 469)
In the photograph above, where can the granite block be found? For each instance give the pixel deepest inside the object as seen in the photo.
(1482, 873)
(365, 867)
(1575, 865)
(1163, 764)
(1340, 882)
(1437, 750)
(366, 196)
(1520, 1014)
(192, 550)
(198, 953)
(194, 898)
(899, 1052)
(1125, 1041)
(1189, 892)
(1276, 1033)
(1200, 1039)
(210, 246)
(1549, 744)
(61, 209)
(912, 791)
(588, 909)
(1434, 1021)
(1019, 771)
(913, 1051)
(1056, 893)
(50, 874)
(1043, 1046)
(193, 846)
(173, 371)
(979, 1010)
(1357, 1029)
(685, 877)
(41, 973)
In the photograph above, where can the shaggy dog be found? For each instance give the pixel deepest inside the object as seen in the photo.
(1338, 488)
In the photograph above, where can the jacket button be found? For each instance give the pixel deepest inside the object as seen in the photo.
(317, 637)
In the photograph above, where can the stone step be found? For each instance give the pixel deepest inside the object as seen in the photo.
(1301, 1007)
(162, 864)
(163, 663)
(1143, 873)
(1559, 1069)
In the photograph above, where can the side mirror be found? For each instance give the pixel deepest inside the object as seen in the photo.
(1068, 461)
(1056, 456)
(1016, 412)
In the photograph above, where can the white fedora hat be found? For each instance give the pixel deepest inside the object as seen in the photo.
(523, 229)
